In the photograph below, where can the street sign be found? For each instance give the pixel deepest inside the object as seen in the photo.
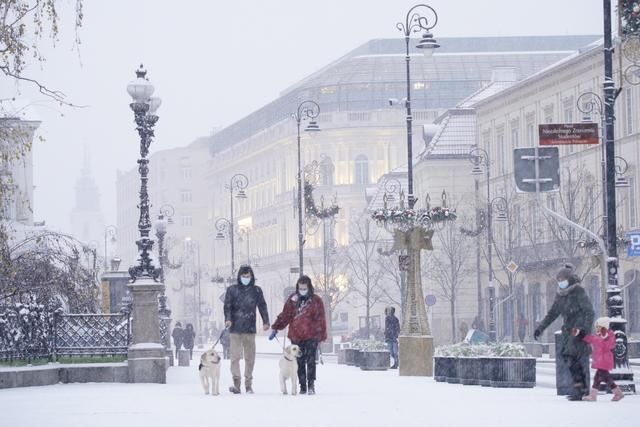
(568, 134)
(536, 169)
(294, 270)
(430, 300)
(512, 267)
(403, 262)
(633, 249)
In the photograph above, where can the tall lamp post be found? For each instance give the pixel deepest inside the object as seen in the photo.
(237, 186)
(146, 354)
(306, 110)
(109, 231)
(414, 23)
(479, 157)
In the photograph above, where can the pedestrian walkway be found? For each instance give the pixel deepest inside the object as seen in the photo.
(346, 396)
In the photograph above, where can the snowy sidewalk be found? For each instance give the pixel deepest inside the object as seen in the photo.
(346, 396)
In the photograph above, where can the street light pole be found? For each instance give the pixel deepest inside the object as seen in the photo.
(479, 157)
(615, 305)
(414, 22)
(112, 231)
(306, 110)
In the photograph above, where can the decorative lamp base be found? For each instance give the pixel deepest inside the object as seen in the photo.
(416, 356)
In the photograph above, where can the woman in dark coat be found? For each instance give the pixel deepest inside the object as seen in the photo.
(178, 337)
(304, 314)
(573, 304)
(189, 339)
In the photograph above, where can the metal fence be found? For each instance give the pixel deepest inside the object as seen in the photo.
(91, 334)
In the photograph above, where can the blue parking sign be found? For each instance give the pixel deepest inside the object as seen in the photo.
(633, 249)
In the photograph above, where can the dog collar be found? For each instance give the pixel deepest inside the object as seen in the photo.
(290, 360)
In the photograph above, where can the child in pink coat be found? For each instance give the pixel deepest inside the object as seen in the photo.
(602, 344)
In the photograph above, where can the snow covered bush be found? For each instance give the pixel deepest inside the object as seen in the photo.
(501, 349)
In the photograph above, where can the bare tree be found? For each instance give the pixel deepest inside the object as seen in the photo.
(365, 276)
(448, 265)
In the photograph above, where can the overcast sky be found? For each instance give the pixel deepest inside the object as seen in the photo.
(215, 61)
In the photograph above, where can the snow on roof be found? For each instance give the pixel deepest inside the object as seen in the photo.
(455, 137)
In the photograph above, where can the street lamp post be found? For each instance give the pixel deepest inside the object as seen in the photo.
(144, 107)
(306, 110)
(237, 186)
(109, 231)
(224, 229)
(479, 157)
(146, 353)
(414, 23)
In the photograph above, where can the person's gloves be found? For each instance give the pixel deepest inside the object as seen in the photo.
(575, 332)
(536, 334)
(604, 332)
(273, 334)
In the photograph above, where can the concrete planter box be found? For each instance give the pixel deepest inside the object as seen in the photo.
(514, 372)
(342, 357)
(350, 356)
(452, 373)
(468, 370)
(55, 373)
(486, 370)
(358, 358)
(375, 360)
(442, 368)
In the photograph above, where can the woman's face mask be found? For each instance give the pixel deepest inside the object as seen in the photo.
(563, 284)
(303, 292)
(245, 280)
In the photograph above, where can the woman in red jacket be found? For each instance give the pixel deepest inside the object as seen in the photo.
(304, 314)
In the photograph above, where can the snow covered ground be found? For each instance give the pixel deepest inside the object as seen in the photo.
(346, 396)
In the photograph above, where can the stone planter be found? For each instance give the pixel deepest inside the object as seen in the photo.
(357, 359)
(350, 356)
(452, 373)
(468, 370)
(514, 372)
(375, 360)
(486, 368)
(442, 366)
(342, 358)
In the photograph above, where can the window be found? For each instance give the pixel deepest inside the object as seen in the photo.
(326, 171)
(186, 196)
(502, 150)
(628, 110)
(515, 136)
(187, 221)
(548, 114)
(362, 170)
(530, 130)
(633, 213)
(186, 172)
(568, 110)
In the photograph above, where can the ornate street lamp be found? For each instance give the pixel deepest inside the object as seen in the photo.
(144, 107)
(307, 110)
(414, 23)
(224, 229)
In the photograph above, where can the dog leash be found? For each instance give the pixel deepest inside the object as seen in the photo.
(219, 338)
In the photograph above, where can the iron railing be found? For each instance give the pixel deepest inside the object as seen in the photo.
(91, 334)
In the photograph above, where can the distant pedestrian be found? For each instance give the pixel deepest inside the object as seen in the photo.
(240, 303)
(178, 337)
(189, 339)
(573, 304)
(391, 333)
(522, 327)
(304, 313)
(225, 341)
(477, 324)
(602, 343)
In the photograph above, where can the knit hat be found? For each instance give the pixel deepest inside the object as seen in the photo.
(566, 272)
(603, 322)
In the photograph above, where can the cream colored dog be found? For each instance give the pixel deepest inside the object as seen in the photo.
(210, 372)
(289, 369)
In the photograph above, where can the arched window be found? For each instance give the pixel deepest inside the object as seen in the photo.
(362, 170)
(326, 171)
(633, 300)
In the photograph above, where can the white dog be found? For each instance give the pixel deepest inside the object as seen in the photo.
(209, 369)
(289, 369)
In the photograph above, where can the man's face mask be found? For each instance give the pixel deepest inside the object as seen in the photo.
(245, 280)
(564, 284)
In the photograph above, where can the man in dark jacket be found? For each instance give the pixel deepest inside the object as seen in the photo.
(572, 303)
(178, 337)
(391, 333)
(304, 314)
(240, 304)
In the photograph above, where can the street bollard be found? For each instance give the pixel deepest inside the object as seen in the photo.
(183, 357)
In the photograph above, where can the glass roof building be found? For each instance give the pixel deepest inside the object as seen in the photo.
(368, 76)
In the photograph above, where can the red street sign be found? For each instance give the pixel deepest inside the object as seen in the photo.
(568, 134)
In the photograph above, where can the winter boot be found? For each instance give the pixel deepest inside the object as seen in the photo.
(592, 396)
(395, 365)
(303, 388)
(235, 388)
(312, 389)
(578, 392)
(617, 394)
(247, 387)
